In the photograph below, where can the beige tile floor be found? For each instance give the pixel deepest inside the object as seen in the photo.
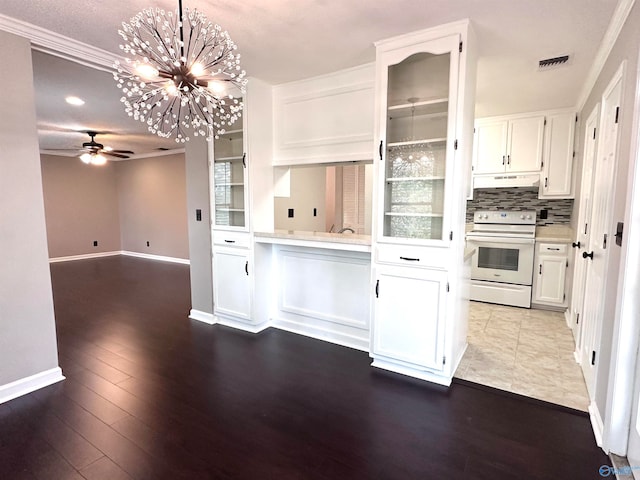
(524, 351)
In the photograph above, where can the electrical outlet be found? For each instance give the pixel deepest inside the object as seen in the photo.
(95, 243)
(198, 216)
(544, 213)
(290, 213)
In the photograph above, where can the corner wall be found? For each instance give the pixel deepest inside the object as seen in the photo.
(626, 48)
(152, 203)
(197, 172)
(28, 349)
(81, 205)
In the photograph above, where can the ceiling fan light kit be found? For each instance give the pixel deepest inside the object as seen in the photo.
(93, 159)
(179, 73)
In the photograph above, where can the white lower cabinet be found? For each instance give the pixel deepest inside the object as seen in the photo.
(409, 316)
(232, 283)
(550, 272)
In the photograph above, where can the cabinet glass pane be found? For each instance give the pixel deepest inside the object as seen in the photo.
(228, 176)
(417, 110)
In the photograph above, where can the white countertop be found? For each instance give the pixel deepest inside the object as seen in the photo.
(555, 233)
(335, 241)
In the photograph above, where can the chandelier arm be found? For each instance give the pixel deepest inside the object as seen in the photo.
(197, 106)
(155, 34)
(191, 39)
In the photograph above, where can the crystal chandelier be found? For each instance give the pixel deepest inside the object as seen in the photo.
(179, 74)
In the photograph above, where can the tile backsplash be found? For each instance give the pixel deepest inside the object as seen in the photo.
(558, 211)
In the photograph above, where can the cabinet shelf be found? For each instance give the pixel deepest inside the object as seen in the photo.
(225, 209)
(423, 141)
(228, 159)
(409, 214)
(415, 179)
(426, 107)
(229, 184)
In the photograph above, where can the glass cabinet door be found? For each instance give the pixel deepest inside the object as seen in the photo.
(417, 116)
(229, 164)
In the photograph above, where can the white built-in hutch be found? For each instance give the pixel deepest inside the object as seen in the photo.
(401, 293)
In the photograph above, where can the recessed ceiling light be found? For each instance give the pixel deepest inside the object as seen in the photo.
(74, 101)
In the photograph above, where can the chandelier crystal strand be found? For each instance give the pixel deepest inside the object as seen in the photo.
(176, 72)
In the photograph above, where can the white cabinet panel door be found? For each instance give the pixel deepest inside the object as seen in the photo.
(232, 289)
(409, 310)
(550, 282)
(524, 145)
(491, 141)
(558, 156)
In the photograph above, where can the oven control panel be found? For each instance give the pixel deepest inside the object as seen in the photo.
(507, 217)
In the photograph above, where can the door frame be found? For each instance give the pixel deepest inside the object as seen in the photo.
(618, 422)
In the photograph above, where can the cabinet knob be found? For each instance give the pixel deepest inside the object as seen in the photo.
(587, 255)
(575, 244)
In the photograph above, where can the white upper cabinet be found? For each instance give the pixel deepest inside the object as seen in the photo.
(512, 145)
(417, 138)
(324, 119)
(557, 179)
(229, 174)
(490, 147)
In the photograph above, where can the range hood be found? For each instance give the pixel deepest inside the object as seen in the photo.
(506, 181)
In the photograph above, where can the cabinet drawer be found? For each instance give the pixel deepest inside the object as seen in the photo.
(552, 248)
(404, 255)
(231, 239)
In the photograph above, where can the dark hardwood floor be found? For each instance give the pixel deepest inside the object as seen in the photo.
(151, 394)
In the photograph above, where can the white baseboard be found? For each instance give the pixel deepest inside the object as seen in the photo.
(411, 372)
(596, 423)
(567, 317)
(83, 257)
(202, 316)
(246, 327)
(30, 384)
(160, 258)
(321, 334)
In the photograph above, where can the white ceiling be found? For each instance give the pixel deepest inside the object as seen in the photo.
(286, 40)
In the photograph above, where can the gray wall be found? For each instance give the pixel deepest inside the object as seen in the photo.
(27, 324)
(81, 205)
(625, 48)
(308, 190)
(122, 205)
(197, 170)
(152, 201)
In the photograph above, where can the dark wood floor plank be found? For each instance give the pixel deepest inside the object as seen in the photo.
(90, 362)
(162, 397)
(93, 403)
(104, 469)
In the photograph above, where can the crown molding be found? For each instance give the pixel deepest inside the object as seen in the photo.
(53, 43)
(611, 35)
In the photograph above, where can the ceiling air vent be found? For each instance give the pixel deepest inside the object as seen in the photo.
(549, 63)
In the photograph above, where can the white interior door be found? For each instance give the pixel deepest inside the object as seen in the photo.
(600, 238)
(584, 219)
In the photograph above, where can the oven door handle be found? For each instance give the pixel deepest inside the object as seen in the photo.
(499, 240)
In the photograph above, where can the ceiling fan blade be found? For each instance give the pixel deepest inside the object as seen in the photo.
(129, 152)
(118, 155)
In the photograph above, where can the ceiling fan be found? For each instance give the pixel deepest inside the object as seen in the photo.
(94, 152)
